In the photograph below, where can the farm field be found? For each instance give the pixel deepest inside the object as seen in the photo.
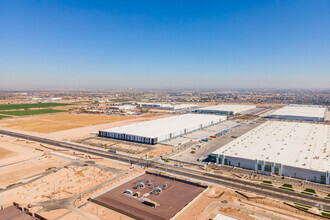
(4, 116)
(31, 112)
(32, 105)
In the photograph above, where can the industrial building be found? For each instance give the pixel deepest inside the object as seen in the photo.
(167, 106)
(155, 131)
(123, 107)
(300, 112)
(225, 109)
(299, 150)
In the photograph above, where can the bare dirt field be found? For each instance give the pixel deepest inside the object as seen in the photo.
(68, 181)
(173, 198)
(64, 214)
(15, 151)
(104, 213)
(209, 205)
(19, 172)
(58, 122)
(4, 153)
(126, 147)
(70, 126)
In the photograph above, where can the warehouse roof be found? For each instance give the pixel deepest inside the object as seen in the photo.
(230, 108)
(159, 127)
(300, 110)
(304, 145)
(168, 105)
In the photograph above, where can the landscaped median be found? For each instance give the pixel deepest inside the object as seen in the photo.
(310, 192)
(287, 187)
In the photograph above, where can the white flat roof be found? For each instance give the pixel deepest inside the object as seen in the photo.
(301, 111)
(168, 105)
(303, 145)
(230, 108)
(163, 126)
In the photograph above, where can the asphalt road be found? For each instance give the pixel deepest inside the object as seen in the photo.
(231, 182)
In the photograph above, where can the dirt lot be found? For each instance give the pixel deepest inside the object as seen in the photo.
(4, 153)
(15, 151)
(58, 122)
(20, 172)
(171, 200)
(71, 126)
(209, 205)
(126, 147)
(68, 181)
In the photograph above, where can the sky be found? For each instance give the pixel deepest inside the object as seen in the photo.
(164, 44)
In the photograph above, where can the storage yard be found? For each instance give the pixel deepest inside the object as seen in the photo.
(156, 131)
(299, 150)
(225, 109)
(150, 197)
(301, 112)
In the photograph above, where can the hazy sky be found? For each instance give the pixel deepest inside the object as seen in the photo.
(164, 44)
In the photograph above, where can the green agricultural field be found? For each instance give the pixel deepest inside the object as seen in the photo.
(27, 106)
(4, 116)
(32, 112)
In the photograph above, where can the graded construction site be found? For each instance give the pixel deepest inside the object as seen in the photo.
(150, 196)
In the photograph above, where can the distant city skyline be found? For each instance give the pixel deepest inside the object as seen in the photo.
(164, 44)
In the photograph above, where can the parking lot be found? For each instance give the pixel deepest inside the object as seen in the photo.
(212, 145)
(203, 133)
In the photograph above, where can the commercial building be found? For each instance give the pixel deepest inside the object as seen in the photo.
(225, 109)
(155, 131)
(300, 112)
(123, 107)
(299, 150)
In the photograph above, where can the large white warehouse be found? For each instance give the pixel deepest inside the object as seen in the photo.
(299, 150)
(225, 109)
(167, 106)
(155, 131)
(300, 112)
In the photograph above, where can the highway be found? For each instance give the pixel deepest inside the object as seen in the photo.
(231, 182)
